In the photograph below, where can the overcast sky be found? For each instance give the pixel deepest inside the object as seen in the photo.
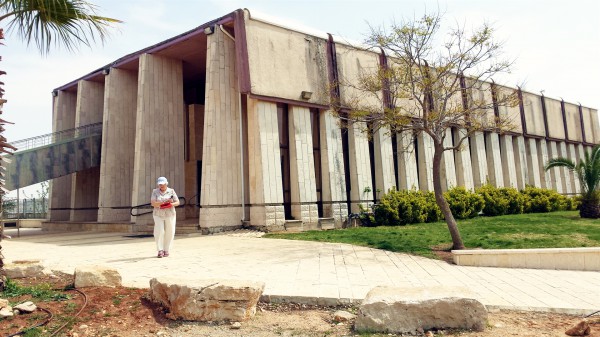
(555, 44)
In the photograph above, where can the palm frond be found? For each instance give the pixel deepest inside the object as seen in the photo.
(560, 162)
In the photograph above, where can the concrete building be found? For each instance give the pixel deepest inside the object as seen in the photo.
(235, 114)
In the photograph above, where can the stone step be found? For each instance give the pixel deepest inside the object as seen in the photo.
(327, 223)
(293, 225)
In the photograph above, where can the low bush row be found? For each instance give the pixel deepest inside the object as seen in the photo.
(399, 208)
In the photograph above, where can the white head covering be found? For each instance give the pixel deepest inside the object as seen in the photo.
(161, 181)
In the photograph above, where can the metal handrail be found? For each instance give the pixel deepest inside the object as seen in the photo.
(147, 206)
(55, 137)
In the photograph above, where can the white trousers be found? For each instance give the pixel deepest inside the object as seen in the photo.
(164, 232)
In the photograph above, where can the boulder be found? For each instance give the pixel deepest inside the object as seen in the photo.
(410, 310)
(207, 300)
(343, 316)
(580, 329)
(96, 276)
(26, 307)
(6, 312)
(25, 268)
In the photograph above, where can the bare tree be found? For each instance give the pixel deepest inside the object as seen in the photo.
(430, 87)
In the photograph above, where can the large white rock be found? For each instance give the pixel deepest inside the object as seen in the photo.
(26, 307)
(96, 276)
(6, 312)
(3, 303)
(26, 268)
(207, 300)
(408, 310)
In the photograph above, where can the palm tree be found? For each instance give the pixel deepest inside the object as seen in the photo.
(47, 23)
(588, 173)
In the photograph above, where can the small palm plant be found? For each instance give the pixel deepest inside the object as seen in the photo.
(588, 173)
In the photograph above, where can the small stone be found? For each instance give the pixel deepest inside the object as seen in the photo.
(6, 312)
(340, 323)
(429, 334)
(498, 325)
(26, 307)
(420, 330)
(83, 327)
(580, 329)
(161, 333)
(3, 303)
(149, 317)
(236, 325)
(343, 316)
(74, 334)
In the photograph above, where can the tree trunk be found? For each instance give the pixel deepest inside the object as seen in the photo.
(439, 198)
(589, 208)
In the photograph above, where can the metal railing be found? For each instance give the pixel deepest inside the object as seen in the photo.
(56, 137)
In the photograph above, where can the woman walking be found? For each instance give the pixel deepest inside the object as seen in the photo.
(164, 200)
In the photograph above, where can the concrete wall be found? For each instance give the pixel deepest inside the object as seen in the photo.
(220, 197)
(520, 158)
(425, 161)
(507, 112)
(384, 162)
(159, 143)
(556, 127)
(118, 145)
(462, 160)
(63, 118)
(195, 141)
(534, 115)
(479, 159)
(573, 122)
(408, 173)
(354, 64)
(361, 184)
(332, 172)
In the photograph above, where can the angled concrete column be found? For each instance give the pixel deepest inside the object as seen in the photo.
(408, 175)
(478, 159)
(195, 141)
(84, 189)
(425, 158)
(507, 156)
(384, 162)
(448, 167)
(63, 118)
(362, 189)
(494, 162)
(462, 158)
(159, 143)
(520, 158)
(542, 149)
(575, 185)
(302, 168)
(555, 173)
(221, 184)
(332, 170)
(264, 160)
(564, 173)
(534, 174)
(118, 145)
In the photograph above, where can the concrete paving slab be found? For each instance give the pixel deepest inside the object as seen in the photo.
(310, 272)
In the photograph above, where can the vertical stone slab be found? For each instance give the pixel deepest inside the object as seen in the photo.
(362, 189)
(564, 172)
(264, 160)
(195, 113)
(534, 174)
(494, 162)
(555, 173)
(448, 167)
(63, 118)
(478, 159)
(384, 162)
(520, 158)
(118, 145)
(159, 144)
(302, 168)
(542, 148)
(462, 159)
(220, 192)
(575, 185)
(333, 174)
(425, 158)
(408, 174)
(507, 155)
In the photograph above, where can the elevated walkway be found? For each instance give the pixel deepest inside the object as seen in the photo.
(54, 155)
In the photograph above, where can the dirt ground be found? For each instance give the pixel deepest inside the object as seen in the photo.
(126, 312)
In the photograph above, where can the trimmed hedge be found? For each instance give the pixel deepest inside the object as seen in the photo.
(464, 204)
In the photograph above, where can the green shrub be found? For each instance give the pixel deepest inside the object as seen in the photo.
(432, 210)
(516, 200)
(464, 204)
(399, 208)
(495, 201)
(540, 200)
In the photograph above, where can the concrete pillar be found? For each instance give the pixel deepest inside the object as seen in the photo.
(542, 149)
(494, 162)
(507, 155)
(159, 143)
(462, 159)
(220, 192)
(333, 175)
(425, 158)
(575, 185)
(534, 174)
(520, 158)
(408, 175)
(448, 167)
(118, 145)
(564, 172)
(556, 181)
(478, 159)
(361, 192)
(63, 118)
(195, 141)
(302, 168)
(264, 160)
(384, 162)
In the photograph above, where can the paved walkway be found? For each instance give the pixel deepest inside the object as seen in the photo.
(311, 272)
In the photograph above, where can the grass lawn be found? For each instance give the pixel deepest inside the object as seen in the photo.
(541, 230)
